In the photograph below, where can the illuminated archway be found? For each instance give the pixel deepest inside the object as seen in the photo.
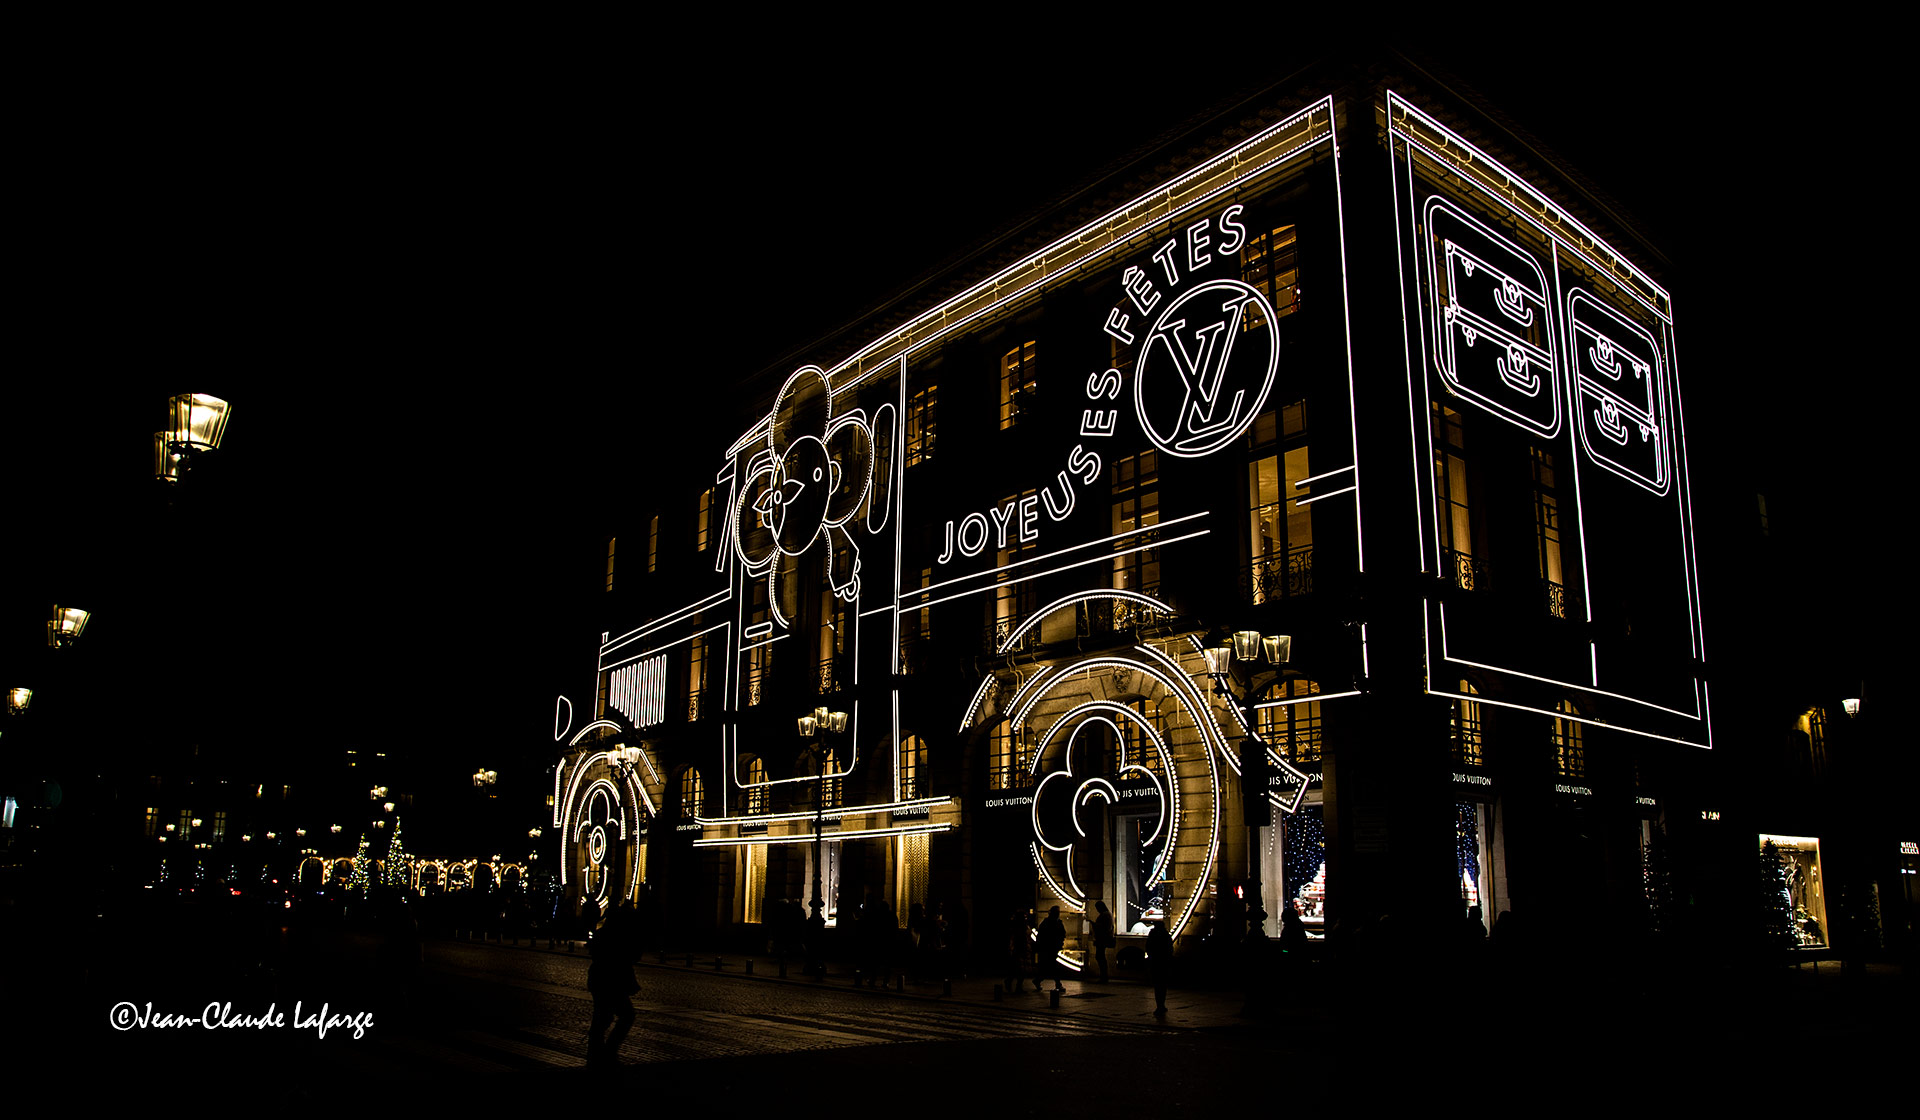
(1142, 695)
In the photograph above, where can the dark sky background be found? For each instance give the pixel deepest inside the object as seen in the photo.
(443, 292)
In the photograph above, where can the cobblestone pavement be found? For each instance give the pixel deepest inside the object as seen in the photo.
(495, 1007)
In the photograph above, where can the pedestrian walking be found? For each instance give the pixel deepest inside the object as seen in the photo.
(1159, 964)
(615, 946)
(1053, 938)
(1102, 936)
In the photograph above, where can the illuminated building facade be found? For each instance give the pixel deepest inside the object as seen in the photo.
(1347, 378)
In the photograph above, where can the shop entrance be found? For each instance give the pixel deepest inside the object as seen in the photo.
(1138, 846)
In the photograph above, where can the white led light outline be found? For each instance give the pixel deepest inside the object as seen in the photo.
(914, 803)
(1312, 498)
(1025, 576)
(678, 615)
(1445, 315)
(807, 837)
(1589, 722)
(1119, 229)
(1655, 417)
(973, 707)
(1181, 685)
(1559, 239)
(1076, 597)
(1560, 683)
(1166, 331)
(1008, 567)
(1540, 203)
(1346, 338)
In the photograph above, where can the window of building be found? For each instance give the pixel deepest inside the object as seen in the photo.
(1458, 562)
(759, 655)
(1019, 383)
(1546, 531)
(1279, 528)
(921, 417)
(690, 793)
(916, 629)
(696, 677)
(832, 641)
(653, 543)
(1465, 731)
(913, 767)
(703, 510)
(1569, 748)
(1136, 505)
(1293, 728)
(219, 825)
(1007, 758)
(1270, 262)
(153, 822)
(1014, 599)
(756, 792)
(610, 543)
(1135, 746)
(834, 788)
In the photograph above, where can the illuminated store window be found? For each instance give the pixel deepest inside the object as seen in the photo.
(911, 875)
(1136, 505)
(1569, 749)
(653, 542)
(610, 541)
(689, 793)
(1019, 383)
(753, 877)
(921, 417)
(1793, 876)
(1280, 530)
(702, 535)
(1546, 531)
(913, 766)
(1271, 262)
(1465, 736)
(1459, 564)
(756, 792)
(697, 677)
(1293, 729)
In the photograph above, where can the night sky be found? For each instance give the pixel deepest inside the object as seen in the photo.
(444, 292)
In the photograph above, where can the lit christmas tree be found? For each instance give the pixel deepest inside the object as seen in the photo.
(1776, 906)
(399, 863)
(361, 862)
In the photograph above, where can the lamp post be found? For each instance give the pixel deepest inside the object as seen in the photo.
(814, 728)
(1235, 663)
(66, 626)
(195, 424)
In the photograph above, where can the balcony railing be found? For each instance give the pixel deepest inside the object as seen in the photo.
(1462, 570)
(1278, 576)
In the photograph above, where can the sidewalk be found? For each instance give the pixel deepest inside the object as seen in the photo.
(1124, 1002)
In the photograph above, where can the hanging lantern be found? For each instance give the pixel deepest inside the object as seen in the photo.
(66, 626)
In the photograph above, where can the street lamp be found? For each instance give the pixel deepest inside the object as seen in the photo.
(1235, 662)
(814, 728)
(66, 626)
(195, 424)
(18, 699)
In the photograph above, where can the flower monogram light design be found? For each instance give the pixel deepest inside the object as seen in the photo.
(1065, 804)
(806, 483)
